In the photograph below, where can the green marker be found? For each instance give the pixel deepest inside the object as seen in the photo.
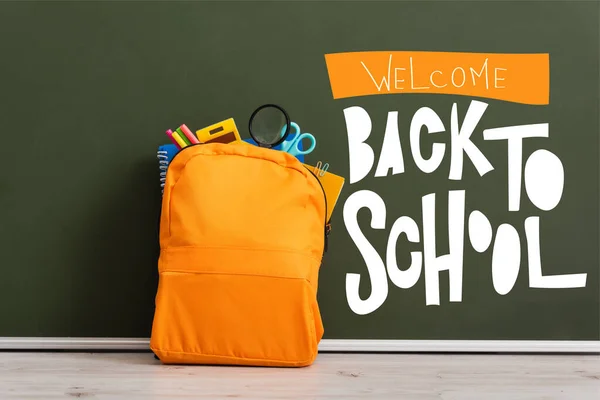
(183, 136)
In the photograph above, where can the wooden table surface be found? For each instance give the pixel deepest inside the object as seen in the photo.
(333, 376)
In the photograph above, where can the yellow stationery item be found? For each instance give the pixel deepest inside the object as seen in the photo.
(332, 185)
(221, 132)
(182, 143)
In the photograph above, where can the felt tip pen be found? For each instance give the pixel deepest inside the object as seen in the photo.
(188, 133)
(169, 133)
(179, 140)
(183, 137)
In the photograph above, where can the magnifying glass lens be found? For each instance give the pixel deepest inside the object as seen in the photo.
(266, 125)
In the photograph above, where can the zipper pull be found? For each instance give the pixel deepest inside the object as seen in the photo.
(327, 231)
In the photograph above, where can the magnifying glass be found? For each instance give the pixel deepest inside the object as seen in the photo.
(266, 125)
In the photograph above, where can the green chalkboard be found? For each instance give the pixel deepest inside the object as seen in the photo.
(88, 89)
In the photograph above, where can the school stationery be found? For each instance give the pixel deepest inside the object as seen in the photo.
(188, 134)
(320, 169)
(332, 185)
(165, 154)
(183, 136)
(270, 126)
(169, 133)
(221, 132)
(291, 145)
(180, 141)
(265, 125)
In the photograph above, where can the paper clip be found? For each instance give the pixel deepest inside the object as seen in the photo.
(320, 171)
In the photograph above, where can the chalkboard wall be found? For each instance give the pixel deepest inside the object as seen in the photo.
(88, 89)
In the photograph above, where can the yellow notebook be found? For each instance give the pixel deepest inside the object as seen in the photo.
(332, 185)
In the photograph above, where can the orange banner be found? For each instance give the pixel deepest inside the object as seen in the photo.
(518, 78)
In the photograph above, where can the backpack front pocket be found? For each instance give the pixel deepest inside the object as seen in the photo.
(236, 313)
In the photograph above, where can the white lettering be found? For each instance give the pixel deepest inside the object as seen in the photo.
(384, 81)
(408, 278)
(425, 116)
(544, 179)
(374, 263)
(391, 150)
(480, 231)
(484, 68)
(461, 141)
(360, 154)
(396, 80)
(496, 78)
(506, 259)
(433, 83)
(536, 278)
(412, 77)
(464, 77)
(515, 135)
(453, 261)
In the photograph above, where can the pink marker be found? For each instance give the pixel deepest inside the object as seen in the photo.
(169, 133)
(186, 131)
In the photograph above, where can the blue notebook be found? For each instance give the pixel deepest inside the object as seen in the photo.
(166, 152)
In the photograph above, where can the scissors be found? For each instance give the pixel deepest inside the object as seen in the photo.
(292, 145)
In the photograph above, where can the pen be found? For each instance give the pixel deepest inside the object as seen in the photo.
(188, 133)
(183, 137)
(179, 140)
(169, 133)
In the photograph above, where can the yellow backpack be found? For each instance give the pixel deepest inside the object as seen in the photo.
(242, 234)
